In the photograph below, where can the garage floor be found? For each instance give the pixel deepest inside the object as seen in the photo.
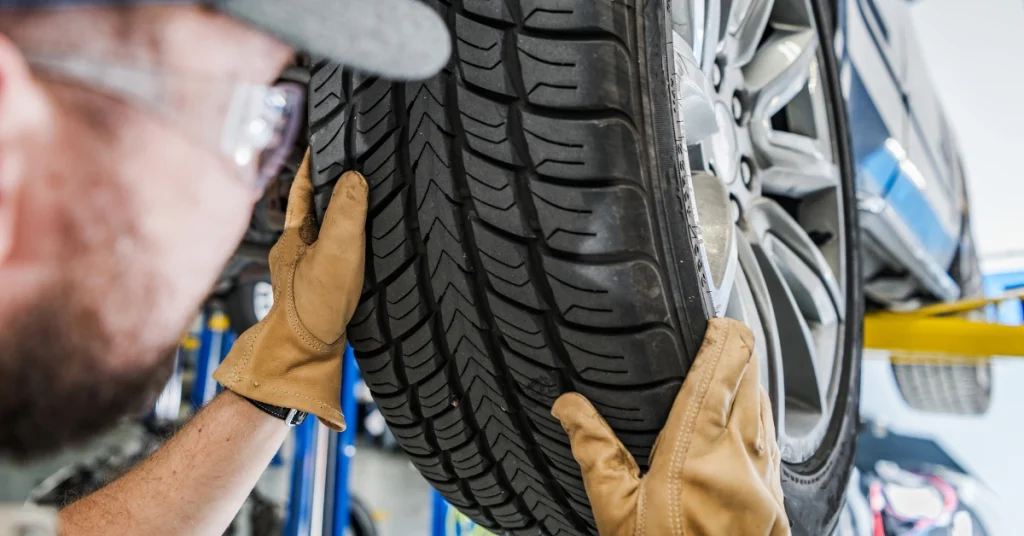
(390, 485)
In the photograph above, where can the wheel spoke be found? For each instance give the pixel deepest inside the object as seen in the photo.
(815, 307)
(767, 217)
(803, 391)
(712, 34)
(748, 19)
(751, 303)
(779, 70)
(688, 22)
(796, 167)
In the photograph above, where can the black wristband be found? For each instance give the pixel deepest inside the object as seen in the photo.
(291, 417)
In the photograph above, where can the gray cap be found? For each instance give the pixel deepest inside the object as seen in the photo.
(398, 39)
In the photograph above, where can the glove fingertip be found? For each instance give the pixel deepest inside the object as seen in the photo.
(571, 407)
(355, 177)
(300, 197)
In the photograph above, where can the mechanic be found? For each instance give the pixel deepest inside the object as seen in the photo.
(135, 137)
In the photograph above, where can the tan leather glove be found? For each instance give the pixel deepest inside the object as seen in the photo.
(292, 358)
(714, 467)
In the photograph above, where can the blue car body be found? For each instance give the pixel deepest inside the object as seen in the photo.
(909, 178)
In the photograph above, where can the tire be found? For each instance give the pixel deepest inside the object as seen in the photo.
(361, 521)
(531, 233)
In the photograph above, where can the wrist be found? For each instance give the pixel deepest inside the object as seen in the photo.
(288, 416)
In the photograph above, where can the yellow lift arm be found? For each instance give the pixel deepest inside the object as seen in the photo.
(941, 329)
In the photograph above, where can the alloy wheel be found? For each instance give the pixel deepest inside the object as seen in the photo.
(769, 198)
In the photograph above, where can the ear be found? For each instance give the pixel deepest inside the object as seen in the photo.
(22, 120)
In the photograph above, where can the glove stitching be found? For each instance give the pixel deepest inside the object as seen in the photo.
(641, 525)
(683, 446)
(250, 344)
(292, 312)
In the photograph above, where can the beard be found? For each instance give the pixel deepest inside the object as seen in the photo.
(58, 382)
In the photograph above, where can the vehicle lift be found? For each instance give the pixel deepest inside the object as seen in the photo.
(319, 498)
(941, 332)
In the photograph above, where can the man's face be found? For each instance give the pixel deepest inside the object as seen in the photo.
(114, 220)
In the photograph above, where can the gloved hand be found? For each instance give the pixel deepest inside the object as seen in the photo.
(292, 358)
(714, 467)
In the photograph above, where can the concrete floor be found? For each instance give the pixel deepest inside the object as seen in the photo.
(390, 485)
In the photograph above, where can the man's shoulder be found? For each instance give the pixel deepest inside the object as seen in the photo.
(20, 520)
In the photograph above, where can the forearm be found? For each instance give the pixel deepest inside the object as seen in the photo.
(194, 484)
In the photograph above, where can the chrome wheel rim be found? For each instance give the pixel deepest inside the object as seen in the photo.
(769, 199)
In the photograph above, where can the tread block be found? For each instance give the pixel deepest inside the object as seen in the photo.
(327, 90)
(480, 51)
(329, 142)
(583, 149)
(421, 355)
(432, 469)
(412, 440)
(496, 11)
(389, 240)
(435, 395)
(507, 266)
(488, 491)
(380, 373)
(546, 424)
(567, 473)
(609, 295)
(404, 303)
(454, 494)
(614, 219)
(612, 16)
(372, 115)
(541, 384)
(451, 430)
(379, 168)
(424, 102)
(363, 332)
(643, 410)
(522, 332)
(468, 460)
(577, 75)
(493, 194)
(396, 408)
(511, 515)
(486, 125)
(431, 167)
(652, 355)
(484, 396)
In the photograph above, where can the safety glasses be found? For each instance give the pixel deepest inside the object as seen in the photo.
(258, 124)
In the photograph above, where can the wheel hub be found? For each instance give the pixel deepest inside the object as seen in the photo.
(724, 145)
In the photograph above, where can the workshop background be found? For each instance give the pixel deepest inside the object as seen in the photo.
(974, 55)
(974, 52)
